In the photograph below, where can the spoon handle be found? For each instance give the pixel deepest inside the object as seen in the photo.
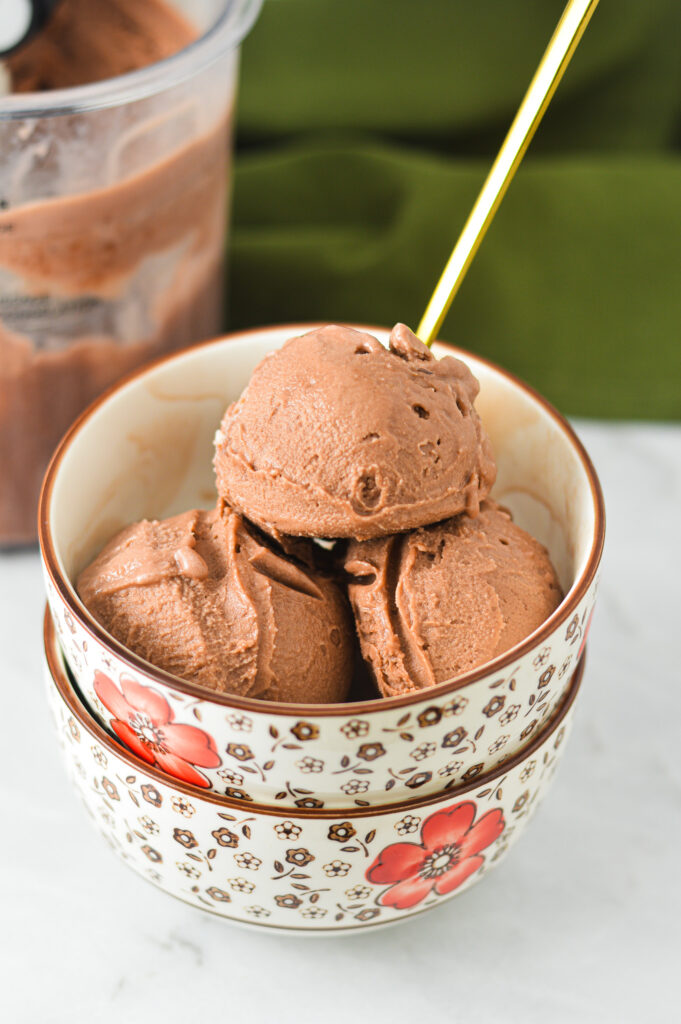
(556, 58)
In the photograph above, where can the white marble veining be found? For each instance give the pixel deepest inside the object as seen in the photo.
(582, 922)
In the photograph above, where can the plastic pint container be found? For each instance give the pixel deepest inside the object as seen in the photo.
(113, 220)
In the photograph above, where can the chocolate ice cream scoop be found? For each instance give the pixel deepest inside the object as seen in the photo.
(437, 602)
(338, 436)
(200, 595)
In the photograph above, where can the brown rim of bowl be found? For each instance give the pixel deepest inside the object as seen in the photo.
(54, 656)
(564, 610)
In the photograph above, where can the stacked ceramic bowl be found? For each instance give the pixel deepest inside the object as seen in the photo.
(291, 816)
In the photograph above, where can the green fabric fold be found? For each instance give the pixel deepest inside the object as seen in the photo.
(358, 164)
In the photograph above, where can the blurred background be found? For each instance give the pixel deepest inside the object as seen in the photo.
(365, 131)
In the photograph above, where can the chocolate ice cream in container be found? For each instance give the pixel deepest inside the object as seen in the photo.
(434, 734)
(115, 144)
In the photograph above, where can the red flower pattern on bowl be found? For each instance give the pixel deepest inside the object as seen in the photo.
(448, 854)
(143, 721)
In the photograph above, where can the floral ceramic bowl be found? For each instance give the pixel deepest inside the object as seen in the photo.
(320, 870)
(144, 451)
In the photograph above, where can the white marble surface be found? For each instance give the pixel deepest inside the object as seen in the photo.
(581, 923)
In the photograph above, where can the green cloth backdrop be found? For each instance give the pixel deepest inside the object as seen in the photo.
(365, 130)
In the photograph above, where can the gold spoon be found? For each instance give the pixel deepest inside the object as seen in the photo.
(556, 58)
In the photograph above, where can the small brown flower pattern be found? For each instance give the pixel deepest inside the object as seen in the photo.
(310, 802)
(368, 914)
(451, 768)
(521, 801)
(239, 751)
(358, 892)
(310, 764)
(74, 730)
(429, 716)
(241, 885)
(305, 731)
(230, 777)
(187, 869)
(355, 729)
(370, 751)
(546, 676)
(153, 855)
(494, 705)
(499, 743)
(185, 838)
(287, 830)
(509, 715)
(405, 826)
(353, 787)
(257, 911)
(300, 857)
(455, 707)
(240, 723)
(572, 632)
(149, 826)
(423, 751)
(151, 795)
(223, 837)
(454, 738)
(237, 794)
(472, 772)
(313, 912)
(565, 667)
(248, 861)
(418, 780)
(336, 868)
(528, 771)
(341, 832)
(542, 658)
(99, 756)
(288, 900)
(529, 729)
(183, 807)
(110, 789)
(219, 895)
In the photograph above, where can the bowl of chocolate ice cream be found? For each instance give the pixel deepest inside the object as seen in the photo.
(115, 141)
(322, 566)
(333, 870)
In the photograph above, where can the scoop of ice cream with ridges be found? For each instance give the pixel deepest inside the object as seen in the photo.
(338, 436)
(439, 601)
(204, 597)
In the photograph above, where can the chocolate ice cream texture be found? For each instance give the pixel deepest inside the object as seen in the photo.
(338, 436)
(89, 250)
(88, 41)
(202, 596)
(437, 602)
(209, 597)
